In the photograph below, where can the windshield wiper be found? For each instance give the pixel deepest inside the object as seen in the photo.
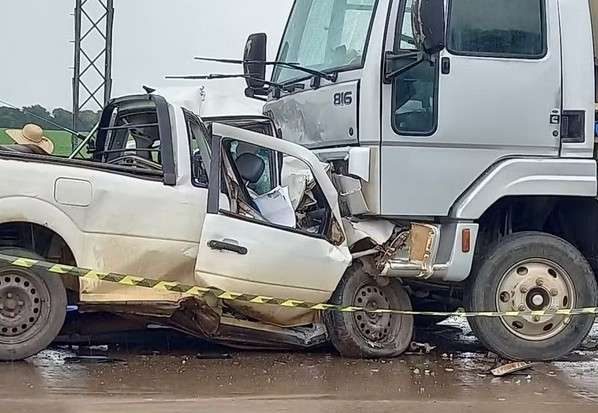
(331, 77)
(214, 76)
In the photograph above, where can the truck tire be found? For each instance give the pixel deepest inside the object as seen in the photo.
(32, 308)
(363, 335)
(532, 271)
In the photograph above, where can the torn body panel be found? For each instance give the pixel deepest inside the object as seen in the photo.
(379, 231)
(189, 315)
(360, 167)
(196, 318)
(250, 335)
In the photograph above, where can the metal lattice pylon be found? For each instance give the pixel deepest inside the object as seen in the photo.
(92, 80)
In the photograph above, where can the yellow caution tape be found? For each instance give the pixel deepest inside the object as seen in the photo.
(196, 291)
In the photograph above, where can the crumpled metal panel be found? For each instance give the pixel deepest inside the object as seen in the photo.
(379, 230)
(304, 117)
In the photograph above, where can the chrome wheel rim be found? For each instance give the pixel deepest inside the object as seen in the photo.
(535, 285)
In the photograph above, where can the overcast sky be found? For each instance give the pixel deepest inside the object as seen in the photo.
(152, 38)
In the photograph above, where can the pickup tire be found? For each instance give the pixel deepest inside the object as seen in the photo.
(366, 335)
(532, 271)
(32, 308)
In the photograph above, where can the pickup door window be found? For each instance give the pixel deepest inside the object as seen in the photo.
(267, 180)
(252, 242)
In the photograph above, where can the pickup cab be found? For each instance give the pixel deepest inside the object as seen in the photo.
(215, 202)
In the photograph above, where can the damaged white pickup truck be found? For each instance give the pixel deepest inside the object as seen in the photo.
(218, 203)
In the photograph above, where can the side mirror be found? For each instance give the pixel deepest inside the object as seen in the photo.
(198, 169)
(428, 21)
(255, 51)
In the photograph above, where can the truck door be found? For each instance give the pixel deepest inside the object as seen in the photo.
(284, 243)
(493, 93)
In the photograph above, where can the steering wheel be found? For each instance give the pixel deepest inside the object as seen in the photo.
(134, 160)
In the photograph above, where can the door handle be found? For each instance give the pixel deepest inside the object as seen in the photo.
(227, 246)
(445, 64)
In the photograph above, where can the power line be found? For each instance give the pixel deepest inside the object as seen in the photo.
(42, 118)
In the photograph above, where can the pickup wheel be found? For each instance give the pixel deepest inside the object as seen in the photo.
(532, 271)
(368, 335)
(32, 308)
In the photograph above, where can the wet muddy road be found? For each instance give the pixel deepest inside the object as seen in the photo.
(181, 377)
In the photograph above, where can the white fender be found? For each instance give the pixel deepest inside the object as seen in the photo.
(37, 211)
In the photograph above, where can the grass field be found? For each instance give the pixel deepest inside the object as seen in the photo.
(62, 141)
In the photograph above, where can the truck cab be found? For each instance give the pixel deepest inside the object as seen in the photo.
(512, 82)
(475, 117)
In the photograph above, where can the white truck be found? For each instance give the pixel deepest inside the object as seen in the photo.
(217, 203)
(475, 117)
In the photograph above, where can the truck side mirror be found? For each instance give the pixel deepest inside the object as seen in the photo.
(428, 21)
(255, 52)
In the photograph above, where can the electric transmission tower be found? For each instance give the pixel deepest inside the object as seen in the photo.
(92, 80)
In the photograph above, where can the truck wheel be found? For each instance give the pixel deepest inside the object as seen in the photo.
(369, 335)
(32, 308)
(532, 271)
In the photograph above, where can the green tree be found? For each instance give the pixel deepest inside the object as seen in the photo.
(17, 118)
(11, 118)
(63, 117)
(88, 119)
(36, 114)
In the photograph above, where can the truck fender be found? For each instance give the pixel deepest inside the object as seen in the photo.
(526, 177)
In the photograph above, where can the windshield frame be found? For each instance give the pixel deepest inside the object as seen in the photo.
(339, 69)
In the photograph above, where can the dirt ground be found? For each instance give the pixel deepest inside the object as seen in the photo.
(174, 375)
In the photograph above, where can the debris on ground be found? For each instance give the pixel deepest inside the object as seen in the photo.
(422, 348)
(92, 360)
(511, 368)
(213, 356)
(590, 344)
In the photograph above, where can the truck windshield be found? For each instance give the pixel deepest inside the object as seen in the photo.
(325, 35)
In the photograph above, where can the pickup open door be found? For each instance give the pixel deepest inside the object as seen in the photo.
(241, 251)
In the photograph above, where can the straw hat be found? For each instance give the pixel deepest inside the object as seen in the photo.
(31, 134)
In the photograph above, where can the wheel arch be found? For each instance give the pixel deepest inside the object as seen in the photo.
(42, 228)
(574, 219)
(526, 178)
